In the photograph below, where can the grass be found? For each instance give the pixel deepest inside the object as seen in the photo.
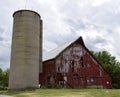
(65, 93)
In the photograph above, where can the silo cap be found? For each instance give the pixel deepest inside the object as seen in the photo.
(26, 10)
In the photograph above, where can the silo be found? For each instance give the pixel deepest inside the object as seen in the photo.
(26, 50)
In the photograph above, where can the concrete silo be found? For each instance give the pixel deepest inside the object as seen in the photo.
(26, 53)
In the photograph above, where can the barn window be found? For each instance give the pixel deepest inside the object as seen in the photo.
(59, 69)
(82, 62)
(73, 65)
(92, 80)
(75, 75)
(88, 81)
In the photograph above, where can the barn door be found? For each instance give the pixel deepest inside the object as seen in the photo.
(83, 82)
(50, 81)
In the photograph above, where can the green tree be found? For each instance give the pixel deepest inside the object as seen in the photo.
(1, 75)
(110, 63)
(4, 78)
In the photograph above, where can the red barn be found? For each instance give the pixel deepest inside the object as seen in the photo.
(72, 65)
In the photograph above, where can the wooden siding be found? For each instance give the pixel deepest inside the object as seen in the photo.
(75, 67)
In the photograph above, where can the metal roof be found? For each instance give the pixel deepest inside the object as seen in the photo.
(55, 52)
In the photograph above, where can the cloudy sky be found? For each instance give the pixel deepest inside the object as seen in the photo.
(97, 21)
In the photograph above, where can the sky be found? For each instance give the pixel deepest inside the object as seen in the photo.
(97, 21)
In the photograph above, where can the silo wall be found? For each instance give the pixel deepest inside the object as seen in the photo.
(26, 52)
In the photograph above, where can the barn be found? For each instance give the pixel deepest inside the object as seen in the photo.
(73, 66)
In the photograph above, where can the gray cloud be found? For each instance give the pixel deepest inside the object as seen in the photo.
(96, 43)
(97, 21)
(76, 24)
(4, 56)
(1, 39)
(1, 32)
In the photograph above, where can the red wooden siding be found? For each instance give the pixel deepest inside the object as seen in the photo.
(49, 70)
(75, 67)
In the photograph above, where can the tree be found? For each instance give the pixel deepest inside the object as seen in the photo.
(4, 78)
(1, 75)
(110, 63)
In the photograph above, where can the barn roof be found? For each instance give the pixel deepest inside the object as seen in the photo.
(55, 52)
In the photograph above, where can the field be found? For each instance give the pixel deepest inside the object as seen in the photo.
(65, 93)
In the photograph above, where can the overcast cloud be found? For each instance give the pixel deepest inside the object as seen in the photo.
(97, 21)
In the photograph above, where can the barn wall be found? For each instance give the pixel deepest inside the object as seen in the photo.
(76, 68)
(80, 69)
(48, 74)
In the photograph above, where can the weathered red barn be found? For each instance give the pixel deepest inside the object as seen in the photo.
(72, 65)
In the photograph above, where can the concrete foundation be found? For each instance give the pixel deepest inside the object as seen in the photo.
(26, 53)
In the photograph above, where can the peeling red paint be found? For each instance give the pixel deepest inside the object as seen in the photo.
(75, 67)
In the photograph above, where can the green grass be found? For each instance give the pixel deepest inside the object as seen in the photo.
(65, 93)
